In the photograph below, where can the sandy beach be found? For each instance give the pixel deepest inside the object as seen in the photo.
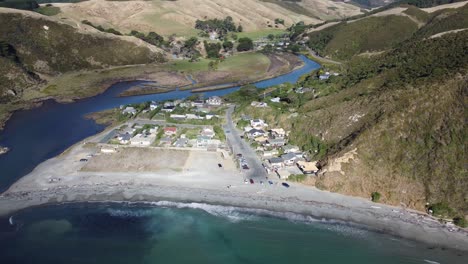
(193, 175)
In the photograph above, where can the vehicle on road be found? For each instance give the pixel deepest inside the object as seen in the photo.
(270, 182)
(239, 155)
(245, 167)
(285, 184)
(251, 181)
(219, 165)
(83, 160)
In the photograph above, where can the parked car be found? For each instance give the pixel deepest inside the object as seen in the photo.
(83, 160)
(270, 182)
(219, 165)
(239, 155)
(285, 184)
(251, 181)
(245, 167)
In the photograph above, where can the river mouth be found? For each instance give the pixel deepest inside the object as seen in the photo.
(38, 134)
(201, 233)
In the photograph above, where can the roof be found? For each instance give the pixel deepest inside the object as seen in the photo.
(252, 131)
(276, 140)
(288, 156)
(173, 129)
(275, 160)
(288, 147)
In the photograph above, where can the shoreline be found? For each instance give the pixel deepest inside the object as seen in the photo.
(406, 227)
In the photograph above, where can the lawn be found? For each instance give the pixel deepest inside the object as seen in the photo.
(261, 33)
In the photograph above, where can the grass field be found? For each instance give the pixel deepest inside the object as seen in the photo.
(261, 33)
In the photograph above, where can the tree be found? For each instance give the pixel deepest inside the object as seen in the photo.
(213, 65)
(295, 48)
(228, 45)
(234, 36)
(191, 42)
(267, 49)
(271, 37)
(212, 49)
(245, 44)
(240, 28)
(375, 196)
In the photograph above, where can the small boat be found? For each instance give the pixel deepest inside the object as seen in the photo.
(11, 220)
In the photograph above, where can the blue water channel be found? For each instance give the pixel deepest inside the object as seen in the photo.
(41, 133)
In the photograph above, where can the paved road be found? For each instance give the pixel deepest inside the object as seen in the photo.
(256, 171)
(164, 123)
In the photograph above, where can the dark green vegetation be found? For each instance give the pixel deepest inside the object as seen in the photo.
(377, 34)
(212, 49)
(19, 4)
(220, 26)
(48, 10)
(100, 28)
(245, 44)
(375, 197)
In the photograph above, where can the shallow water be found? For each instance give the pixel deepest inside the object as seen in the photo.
(195, 233)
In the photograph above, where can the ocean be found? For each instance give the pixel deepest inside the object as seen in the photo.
(176, 233)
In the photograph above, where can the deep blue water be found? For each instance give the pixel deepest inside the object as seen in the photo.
(103, 233)
(41, 133)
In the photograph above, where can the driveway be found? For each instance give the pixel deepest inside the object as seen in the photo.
(256, 171)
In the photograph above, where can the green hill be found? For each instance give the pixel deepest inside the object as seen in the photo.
(380, 33)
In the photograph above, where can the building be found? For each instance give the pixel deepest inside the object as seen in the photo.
(261, 139)
(153, 106)
(270, 153)
(193, 116)
(165, 141)
(289, 159)
(275, 100)
(198, 103)
(203, 141)
(129, 110)
(276, 163)
(213, 35)
(177, 117)
(307, 167)
(168, 109)
(258, 104)
(142, 140)
(169, 131)
(207, 132)
(276, 142)
(277, 133)
(108, 150)
(124, 138)
(253, 133)
(290, 149)
(257, 123)
(181, 142)
(214, 100)
(169, 103)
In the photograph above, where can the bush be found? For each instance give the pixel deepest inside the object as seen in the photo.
(297, 177)
(375, 196)
(460, 221)
(441, 210)
(245, 44)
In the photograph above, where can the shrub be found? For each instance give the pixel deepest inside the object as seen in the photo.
(297, 177)
(375, 196)
(460, 221)
(441, 209)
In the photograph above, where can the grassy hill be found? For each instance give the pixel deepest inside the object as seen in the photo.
(383, 31)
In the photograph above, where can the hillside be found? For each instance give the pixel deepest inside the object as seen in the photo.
(384, 30)
(35, 49)
(178, 17)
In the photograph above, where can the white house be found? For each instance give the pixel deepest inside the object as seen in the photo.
(276, 163)
(257, 123)
(141, 140)
(129, 110)
(168, 109)
(214, 100)
(256, 133)
(290, 149)
(153, 106)
(277, 133)
(207, 132)
(275, 100)
(174, 116)
(289, 159)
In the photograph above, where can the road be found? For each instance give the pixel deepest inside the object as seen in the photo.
(256, 171)
(315, 55)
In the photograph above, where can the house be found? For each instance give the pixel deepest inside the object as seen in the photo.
(181, 142)
(129, 110)
(167, 104)
(258, 104)
(177, 102)
(207, 132)
(214, 100)
(203, 141)
(108, 150)
(124, 138)
(289, 159)
(168, 109)
(165, 141)
(253, 133)
(277, 133)
(276, 163)
(270, 153)
(290, 149)
(193, 116)
(276, 142)
(307, 167)
(257, 123)
(275, 100)
(247, 128)
(141, 140)
(325, 76)
(261, 139)
(178, 117)
(209, 116)
(213, 35)
(153, 106)
(169, 131)
(198, 103)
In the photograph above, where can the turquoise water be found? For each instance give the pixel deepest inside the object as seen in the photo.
(196, 233)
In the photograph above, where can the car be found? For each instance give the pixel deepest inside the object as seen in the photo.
(285, 184)
(270, 182)
(251, 181)
(219, 165)
(242, 137)
(245, 167)
(239, 155)
(83, 160)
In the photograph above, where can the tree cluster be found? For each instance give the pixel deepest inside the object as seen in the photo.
(245, 44)
(220, 26)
